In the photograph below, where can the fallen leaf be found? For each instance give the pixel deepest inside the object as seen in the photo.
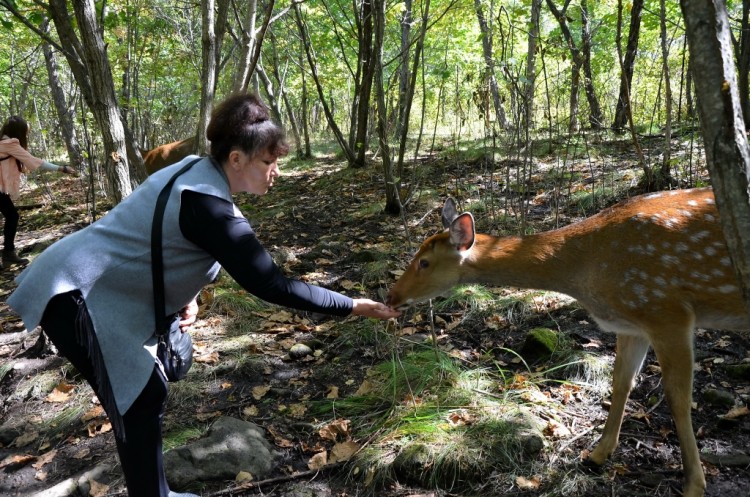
(61, 393)
(207, 358)
(17, 461)
(84, 452)
(98, 427)
(318, 461)
(44, 459)
(205, 416)
(332, 392)
(250, 411)
(260, 391)
(343, 451)
(337, 428)
(297, 410)
(532, 483)
(26, 439)
(737, 412)
(243, 476)
(93, 413)
(98, 489)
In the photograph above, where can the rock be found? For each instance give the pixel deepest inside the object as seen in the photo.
(737, 460)
(230, 446)
(540, 344)
(718, 398)
(738, 371)
(300, 350)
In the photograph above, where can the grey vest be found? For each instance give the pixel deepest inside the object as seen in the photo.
(110, 263)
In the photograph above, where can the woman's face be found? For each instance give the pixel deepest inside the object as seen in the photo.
(251, 174)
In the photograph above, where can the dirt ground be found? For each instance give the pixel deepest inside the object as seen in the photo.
(304, 208)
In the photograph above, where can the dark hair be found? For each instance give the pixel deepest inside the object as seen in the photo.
(242, 121)
(17, 127)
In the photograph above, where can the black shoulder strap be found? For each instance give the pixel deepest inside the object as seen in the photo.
(157, 262)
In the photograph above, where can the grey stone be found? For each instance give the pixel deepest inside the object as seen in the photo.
(230, 446)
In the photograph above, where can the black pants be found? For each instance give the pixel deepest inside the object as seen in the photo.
(10, 228)
(139, 438)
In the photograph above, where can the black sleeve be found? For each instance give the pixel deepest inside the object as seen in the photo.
(212, 224)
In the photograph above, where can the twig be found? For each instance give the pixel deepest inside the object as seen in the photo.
(239, 489)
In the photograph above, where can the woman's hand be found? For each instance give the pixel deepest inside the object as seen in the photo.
(188, 315)
(372, 309)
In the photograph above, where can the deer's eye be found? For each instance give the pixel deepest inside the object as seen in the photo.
(424, 263)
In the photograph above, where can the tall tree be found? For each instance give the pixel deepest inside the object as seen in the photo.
(95, 75)
(208, 72)
(627, 65)
(727, 150)
(580, 60)
(363, 82)
(310, 55)
(65, 110)
(742, 53)
(530, 83)
(489, 63)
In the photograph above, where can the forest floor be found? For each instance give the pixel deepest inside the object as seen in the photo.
(324, 223)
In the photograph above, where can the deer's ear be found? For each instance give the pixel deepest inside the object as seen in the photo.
(462, 232)
(449, 213)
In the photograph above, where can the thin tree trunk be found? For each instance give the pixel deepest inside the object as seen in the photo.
(392, 201)
(304, 114)
(664, 173)
(208, 73)
(489, 63)
(348, 153)
(743, 61)
(627, 64)
(627, 109)
(595, 110)
(64, 110)
(366, 67)
(529, 85)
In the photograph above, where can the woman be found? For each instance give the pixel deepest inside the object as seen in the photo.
(92, 291)
(15, 160)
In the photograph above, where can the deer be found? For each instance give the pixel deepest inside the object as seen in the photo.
(650, 269)
(167, 154)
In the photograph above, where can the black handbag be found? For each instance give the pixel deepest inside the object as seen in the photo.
(174, 349)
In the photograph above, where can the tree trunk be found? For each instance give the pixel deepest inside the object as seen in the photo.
(743, 61)
(208, 73)
(94, 78)
(105, 108)
(64, 110)
(595, 110)
(580, 60)
(489, 63)
(392, 201)
(348, 153)
(727, 151)
(664, 176)
(410, 89)
(628, 66)
(528, 111)
(366, 68)
(304, 114)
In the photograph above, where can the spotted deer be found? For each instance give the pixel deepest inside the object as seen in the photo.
(650, 269)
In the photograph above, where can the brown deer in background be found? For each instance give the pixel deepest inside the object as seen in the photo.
(650, 269)
(167, 154)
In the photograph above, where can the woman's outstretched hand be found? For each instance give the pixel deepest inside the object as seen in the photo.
(372, 309)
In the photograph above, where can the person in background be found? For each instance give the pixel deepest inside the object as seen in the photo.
(14, 161)
(92, 291)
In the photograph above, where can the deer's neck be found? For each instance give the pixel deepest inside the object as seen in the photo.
(539, 261)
